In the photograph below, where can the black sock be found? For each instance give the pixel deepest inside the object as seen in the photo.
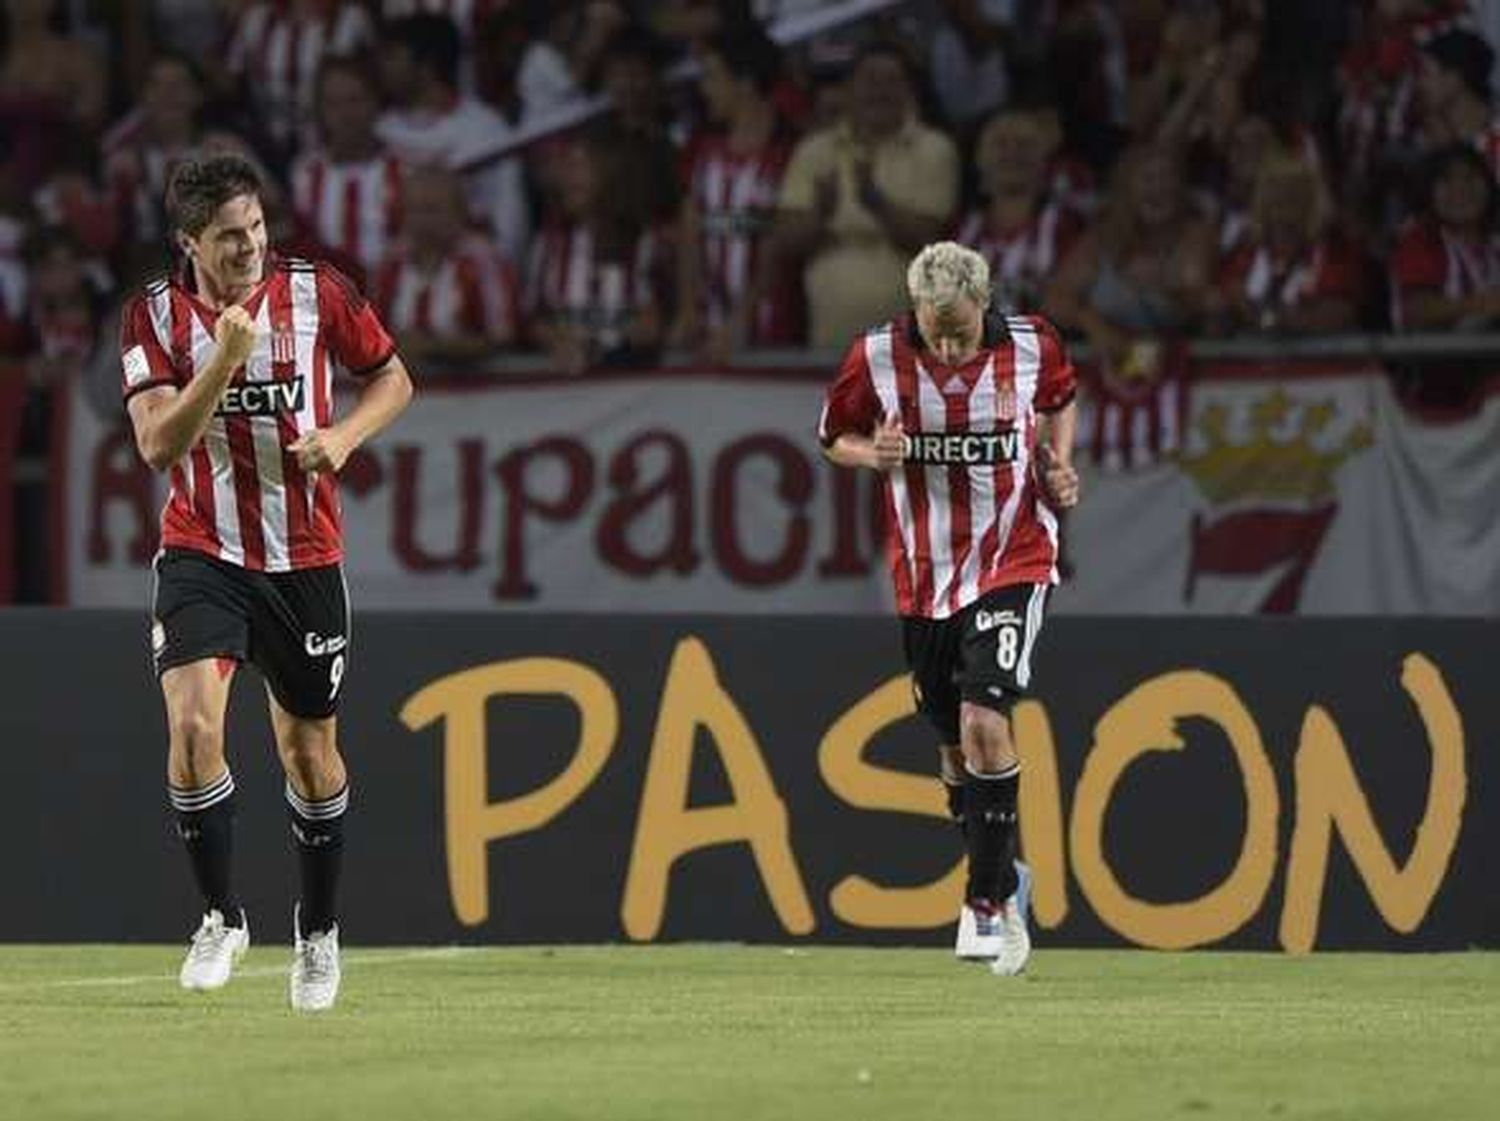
(205, 822)
(990, 814)
(955, 794)
(318, 829)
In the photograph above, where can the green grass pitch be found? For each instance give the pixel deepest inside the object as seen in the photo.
(720, 1032)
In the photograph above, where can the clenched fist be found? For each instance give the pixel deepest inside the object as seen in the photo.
(888, 444)
(235, 333)
(1059, 478)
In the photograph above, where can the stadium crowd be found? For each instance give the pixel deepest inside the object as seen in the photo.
(602, 182)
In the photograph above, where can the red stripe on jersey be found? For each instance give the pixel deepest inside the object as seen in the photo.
(246, 489)
(960, 524)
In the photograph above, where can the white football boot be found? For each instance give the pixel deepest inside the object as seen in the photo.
(315, 968)
(981, 934)
(1015, 940)
(213, 952)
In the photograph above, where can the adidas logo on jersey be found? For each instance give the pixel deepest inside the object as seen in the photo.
(263, 398)
(963, 447)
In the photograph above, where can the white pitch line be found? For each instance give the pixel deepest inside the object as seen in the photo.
(355, 959)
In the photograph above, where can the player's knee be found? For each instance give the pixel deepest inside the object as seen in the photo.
(986, 737)
(197, 734)
(309, 748)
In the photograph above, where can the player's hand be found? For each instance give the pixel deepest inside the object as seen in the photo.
(1058, 477)
(235, 333)
(321, 450)
(888, 444)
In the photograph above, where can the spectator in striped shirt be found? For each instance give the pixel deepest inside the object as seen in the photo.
(1296, 275)
(593, 275)
(448, 293)
(733, 176)
(348, 190)
(275, 53)
(1445, 271)
(1020, 228)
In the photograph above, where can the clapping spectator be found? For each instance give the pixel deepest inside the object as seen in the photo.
(861, 197)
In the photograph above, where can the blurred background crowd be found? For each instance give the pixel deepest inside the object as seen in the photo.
(601, 183)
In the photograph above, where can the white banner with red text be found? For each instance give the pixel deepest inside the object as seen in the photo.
(1235, 489)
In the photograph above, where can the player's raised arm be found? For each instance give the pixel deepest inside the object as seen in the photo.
(167, 420)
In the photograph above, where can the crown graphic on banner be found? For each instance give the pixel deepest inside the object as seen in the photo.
(1262, 465)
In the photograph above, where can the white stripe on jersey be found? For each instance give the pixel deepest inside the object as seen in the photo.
(933, 411)
(304, 293)
(216, 443)
(266, 433)
(983, 410)
(883, 375)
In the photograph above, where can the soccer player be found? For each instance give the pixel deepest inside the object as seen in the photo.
(969, 418)
(228, 372)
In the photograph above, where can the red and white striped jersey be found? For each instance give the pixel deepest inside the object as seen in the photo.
(471, 291)
(1328, 268)
(1023, 259)
(735, 194)
(351, 207)
(1429, 258)
(278, 52)
(964, 515)
(238, 494)
(568, 281)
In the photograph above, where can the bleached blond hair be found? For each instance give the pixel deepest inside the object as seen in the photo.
(945, 272)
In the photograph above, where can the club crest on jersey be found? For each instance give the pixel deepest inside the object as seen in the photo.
(262, 398)
(963, 448)
(283, 345)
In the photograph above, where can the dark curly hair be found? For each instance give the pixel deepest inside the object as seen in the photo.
(198, 188)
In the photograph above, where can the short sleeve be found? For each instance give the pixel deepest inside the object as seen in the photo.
(1057, 383)
(851, 404)
(144, 362)
(352, 330)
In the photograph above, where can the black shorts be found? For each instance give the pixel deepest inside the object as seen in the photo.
(292, 626)
(981, 655)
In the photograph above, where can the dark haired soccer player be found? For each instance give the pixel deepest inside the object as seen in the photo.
(228, 377)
